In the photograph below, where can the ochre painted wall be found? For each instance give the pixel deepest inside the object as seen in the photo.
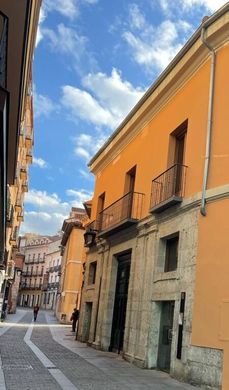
(211, 303)
(74, 257)
(149, 150)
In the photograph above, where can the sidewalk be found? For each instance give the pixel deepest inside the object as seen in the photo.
(45, 356)
(121, 373)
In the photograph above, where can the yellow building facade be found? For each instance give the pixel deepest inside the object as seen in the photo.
(73, 257)
(155, 284)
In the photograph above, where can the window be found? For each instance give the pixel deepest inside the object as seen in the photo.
(92, 272)
(130, 180)
(100, 207)
(177, 144)
(33, 256)
(39, 256)
(171, 254)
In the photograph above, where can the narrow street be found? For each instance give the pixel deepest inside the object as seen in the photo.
(46, 356)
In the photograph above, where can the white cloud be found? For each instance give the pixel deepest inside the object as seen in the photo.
(137, 19)
(66, 41)
(87, 145)
(43, 223)
(108, 102)
(67, 8)
(86, 107)
(85, 174)
(104, 102)
(46, 212)
(155, 46)
(43, 105)
(79, 196)
(46, 202)
(186, 5)
(38, 161)
(42, 17)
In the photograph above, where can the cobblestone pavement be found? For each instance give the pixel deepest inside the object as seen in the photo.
(21, 368)
(82, 367)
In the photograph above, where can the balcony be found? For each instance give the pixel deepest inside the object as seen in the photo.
(9, 216)
(14, 237)
(23, 174)
(29, 157)
(18, 206)
(31, 287)
(29, 139)
(125, 212)
(20, 217)
(3, 50)
(24, 186)
(26, 273)
(168, 188)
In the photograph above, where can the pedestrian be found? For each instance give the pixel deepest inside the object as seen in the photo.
(35, 312)
(74, 318)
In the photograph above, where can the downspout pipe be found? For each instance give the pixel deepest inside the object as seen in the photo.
(209, 123)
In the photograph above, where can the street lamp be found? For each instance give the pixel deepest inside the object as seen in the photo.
(89, 238)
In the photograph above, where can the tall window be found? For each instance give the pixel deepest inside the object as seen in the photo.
(100, 207)
(130, 180)
(171, 254)
(127, 205)
(92, 272)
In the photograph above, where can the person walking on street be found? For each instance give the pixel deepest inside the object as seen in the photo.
(74, 318)
(35, 312)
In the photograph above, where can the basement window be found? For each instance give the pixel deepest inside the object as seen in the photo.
(92, 272)
(171, 254)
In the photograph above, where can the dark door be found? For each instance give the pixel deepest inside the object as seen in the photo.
(165, 337)
(121, 295)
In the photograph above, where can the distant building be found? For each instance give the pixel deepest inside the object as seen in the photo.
(34, 249)
(73, 253)
(53, 270)
(18, 26)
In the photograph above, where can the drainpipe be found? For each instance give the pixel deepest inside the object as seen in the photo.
(209, 124)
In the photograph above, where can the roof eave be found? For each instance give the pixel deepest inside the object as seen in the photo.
(162, 76)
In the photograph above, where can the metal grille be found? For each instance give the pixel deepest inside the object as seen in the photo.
(127, 207)
(169, 184)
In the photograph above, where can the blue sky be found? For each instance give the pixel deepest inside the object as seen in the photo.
(93, 61)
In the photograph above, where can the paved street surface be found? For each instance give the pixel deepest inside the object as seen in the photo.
(46, 356)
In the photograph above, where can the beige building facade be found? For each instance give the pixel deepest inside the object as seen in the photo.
(34, 249)
(18, 27)
(53, 262)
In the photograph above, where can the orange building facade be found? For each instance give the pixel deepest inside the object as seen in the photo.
(72, 251)
(155, 284)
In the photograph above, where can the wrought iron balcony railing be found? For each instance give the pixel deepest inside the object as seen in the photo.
(168, 188)
(3, 49)
(120, 214)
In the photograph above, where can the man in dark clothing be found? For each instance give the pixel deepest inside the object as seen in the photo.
(35, 312)
(74, 319)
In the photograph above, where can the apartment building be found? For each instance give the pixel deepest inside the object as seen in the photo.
(53, 261)
(34, 249)
(155, 284)
(18, 26)
(73, 257)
